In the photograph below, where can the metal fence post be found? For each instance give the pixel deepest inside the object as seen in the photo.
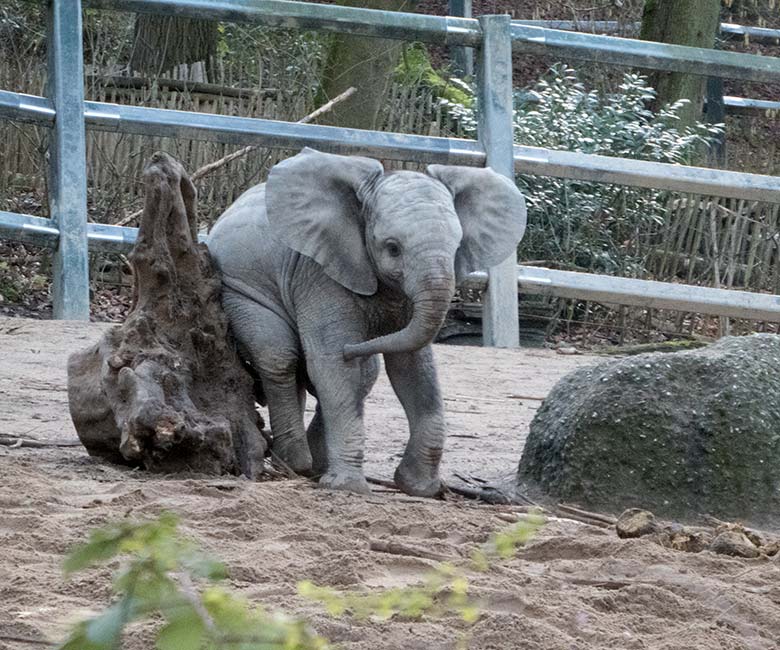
(499, 316)
(67, 161)
(462, 57)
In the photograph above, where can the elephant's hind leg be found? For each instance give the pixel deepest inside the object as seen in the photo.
(317, 443)
(274, 352)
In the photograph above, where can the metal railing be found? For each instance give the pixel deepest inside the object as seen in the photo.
(66, 112)
(757, 34)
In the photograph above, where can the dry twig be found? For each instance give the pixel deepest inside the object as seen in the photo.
(585, 516)
(394, 548)
(15, 443)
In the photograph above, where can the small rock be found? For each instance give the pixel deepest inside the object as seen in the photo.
(686, 540)
(772, 549)
(635, 523)
(734, 542)
(754, 536)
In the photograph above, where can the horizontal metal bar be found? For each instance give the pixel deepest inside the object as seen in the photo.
(39, 110)
(644, 54)
(757, 34)
(40, 231)
(530, 279)
(585, 26)
(462, 31)
(107, 238)
(285, 135)
(304, 15)
(28, 230)
(26, 108)
(644, 293)
(425, 149)
(752, 107)
(641, 173)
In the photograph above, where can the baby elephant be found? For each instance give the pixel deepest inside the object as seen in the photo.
(333, 261)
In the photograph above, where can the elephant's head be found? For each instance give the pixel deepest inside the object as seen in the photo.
(418, 233)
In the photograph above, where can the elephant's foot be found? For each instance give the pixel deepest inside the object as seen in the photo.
(417, 481)
(294, 453)
(347, 481)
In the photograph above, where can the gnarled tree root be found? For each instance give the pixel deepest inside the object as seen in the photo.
(165, 390)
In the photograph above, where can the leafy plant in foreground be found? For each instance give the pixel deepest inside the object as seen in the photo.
(167, 577)
(162, 579)
(444, 591)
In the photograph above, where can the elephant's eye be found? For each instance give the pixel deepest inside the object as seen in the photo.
(393, 249)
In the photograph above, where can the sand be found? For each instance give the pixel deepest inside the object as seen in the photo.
(574, 586)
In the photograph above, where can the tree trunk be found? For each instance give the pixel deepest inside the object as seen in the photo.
(681, 22)
(163, 43)
(165, 390)
(365, 63)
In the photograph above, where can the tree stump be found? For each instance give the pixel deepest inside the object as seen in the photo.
(166, 390)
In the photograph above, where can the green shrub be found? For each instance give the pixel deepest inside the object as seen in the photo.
(595, 226)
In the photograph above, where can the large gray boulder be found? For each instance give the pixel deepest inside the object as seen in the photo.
(681, 434)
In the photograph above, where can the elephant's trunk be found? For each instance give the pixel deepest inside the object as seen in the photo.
(430, 304)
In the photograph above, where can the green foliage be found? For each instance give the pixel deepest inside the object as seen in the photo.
(504, 543)
(415, 69)
(445, 591)
(161, 576)
(159, 580)
(593, 226)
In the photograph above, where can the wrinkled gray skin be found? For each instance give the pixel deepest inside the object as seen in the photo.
(332, 262)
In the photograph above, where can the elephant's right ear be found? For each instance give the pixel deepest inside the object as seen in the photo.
(314, 203)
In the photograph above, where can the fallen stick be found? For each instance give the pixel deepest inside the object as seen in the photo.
(15, 443)
(285, 469)
(23, 639)
(593, 516)
(468, 480)
(601, 584)
(486, 495)
(382, 482)
(210, 167)
(394, 548)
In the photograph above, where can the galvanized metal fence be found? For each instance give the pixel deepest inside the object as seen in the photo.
(494, 37)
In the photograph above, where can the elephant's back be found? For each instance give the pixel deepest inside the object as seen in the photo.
(241, 242)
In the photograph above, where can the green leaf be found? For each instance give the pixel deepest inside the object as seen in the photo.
(102, 545)
(104, 630)
(205, 567)
(184, 632)
(78, 640)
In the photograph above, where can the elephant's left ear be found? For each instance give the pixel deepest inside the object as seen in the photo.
(491, 211)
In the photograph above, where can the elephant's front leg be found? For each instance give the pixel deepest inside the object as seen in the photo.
(413, 376)
(341, 390)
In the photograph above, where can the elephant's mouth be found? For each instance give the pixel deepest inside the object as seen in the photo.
(430, 305)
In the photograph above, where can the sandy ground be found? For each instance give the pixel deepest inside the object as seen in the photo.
(574, 586)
